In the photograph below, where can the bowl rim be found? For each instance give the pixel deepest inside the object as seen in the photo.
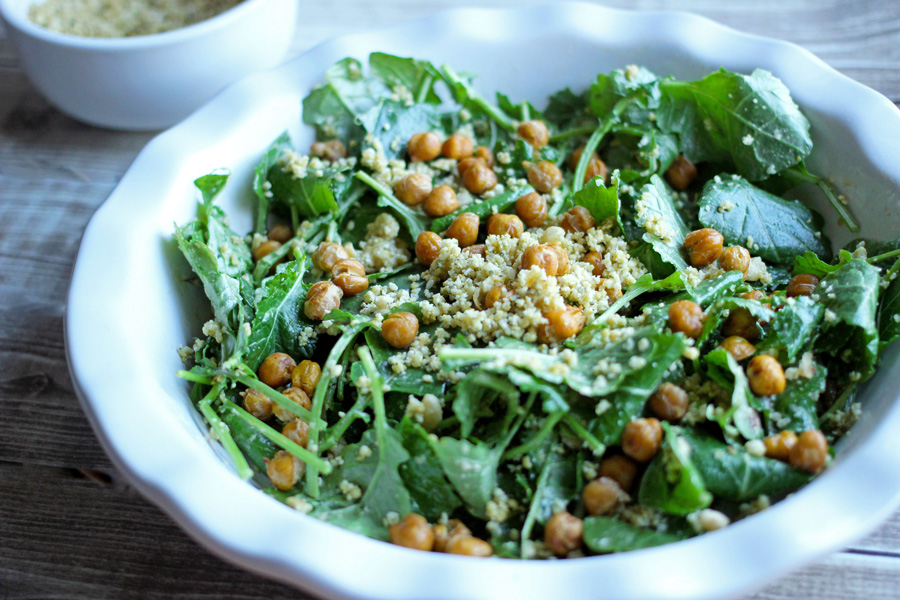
(19, 20)
(769, 559)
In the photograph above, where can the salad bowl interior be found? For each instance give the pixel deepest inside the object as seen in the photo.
(127, 316)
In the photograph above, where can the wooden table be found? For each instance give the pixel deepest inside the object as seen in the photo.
(70, 527)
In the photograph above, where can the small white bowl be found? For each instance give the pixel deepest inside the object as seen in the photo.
(153, 81)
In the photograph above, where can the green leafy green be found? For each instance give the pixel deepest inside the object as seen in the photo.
(794, 328)
(672, 482)
(606, 534)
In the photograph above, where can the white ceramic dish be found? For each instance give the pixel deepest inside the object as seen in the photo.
(127, 315)
(153, 81)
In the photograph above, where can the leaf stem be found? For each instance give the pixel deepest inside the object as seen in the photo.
(276, 397)
(534, 442)
(801, 175)
(387, 198)
(338, 429)
(190, 376)
(581, 431)
(223, 434)
(885, 256)
(424, 88)
(535, 506)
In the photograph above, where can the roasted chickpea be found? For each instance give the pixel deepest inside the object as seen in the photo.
(534, 133)
(468, 545)
(348, 265)
(576, 219)
(264, 249)
(428, 247)
(779, 446)
(458, 147)
(802, 285)
(284, 470)
(351, 284)
(738, 347)
(275, 370)
(279, 232)
(423, 147)
(258, 404)
(669, 402)
(681, 173)
(619, 468)
(503, 224)
(441, 201)
(561, 324)
(444, 533)
(735, 258)
(485, 154)
(542, 257)
(642, 438)
(753, 295)
(532, 209)
(741, 323)
(595, 259)
(479, 178)
(687, 317)
(327, 254)
(297, 431)
(563, 533)
(322, 298)
(595, 168)
(544, 176)
(704, 246)
(306, 375)
(332, 150)
(601, 495)
(299, 397)
(463, 165)
(494, 295)
(765, 375)
(562, 259)
(464, 229)
(400, 329)
(810, 453)
(478, 249)
(413, 189)
(412, 532)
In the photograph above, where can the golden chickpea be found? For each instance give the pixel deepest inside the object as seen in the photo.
(463, 165)
(348, 265)
(596, 168)
(779, 446)
(494, 295)
(704, 246)
(542, 257)
(479, 178)
(738, 347)
(687, 317)
(642, 438)
(576, 219)
(327, 254)
(562, 259)
(561, 325)
(563, 533)
(485, 154)
(595, 259)
(441, 201)
(412, 532)
(735, 258)
(305, 376)
(534, 133)
(619, 468)
(810, 453)
(601, 495)
(741, 323)
(681, 173)
(331, 150)
(280, 233)
(802, 285)
(532, 209)
(275, 370)
(544, 176)
(464, 229)
(466, 545)
(413, 189)
(322, 298)
(765, 375)
(423, 147)
(284, 470)
(477, 249)
(258, 404)
(458, 147)
(503, 224)
(264, 249)
(669, 402)
(400, 329)
(753, 295)
(444, 533)
(428, 247)
(351, 284)
(297, 431)
(299, 397)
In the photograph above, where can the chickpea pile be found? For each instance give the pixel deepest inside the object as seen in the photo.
(453, 537)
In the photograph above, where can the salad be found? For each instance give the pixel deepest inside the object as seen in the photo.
(472, 326)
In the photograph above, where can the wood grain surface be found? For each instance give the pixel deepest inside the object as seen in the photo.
(70, 528)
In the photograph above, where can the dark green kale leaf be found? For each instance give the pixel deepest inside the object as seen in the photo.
(601, 201)
(566, 109)
(392, 124)
(813, 265)
(406, 76)
(261, 176)
(750, 119)
(431, 493)
(671, 482)
(476, 395)
(774, 229)
(739, 417)
(472, 469)
(636, 84)
(793, 329)
(665, 230)
(888, 311)
(607, 534)
(796, 405)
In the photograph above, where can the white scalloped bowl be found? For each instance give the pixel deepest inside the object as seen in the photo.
(129, 310)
